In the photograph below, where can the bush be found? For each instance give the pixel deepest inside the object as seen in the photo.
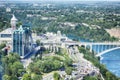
(68, 70)
(56, 76)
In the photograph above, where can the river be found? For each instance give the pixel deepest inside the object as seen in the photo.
(111, 59)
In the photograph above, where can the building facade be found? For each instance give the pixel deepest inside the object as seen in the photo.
(18, 41)
(22, 41)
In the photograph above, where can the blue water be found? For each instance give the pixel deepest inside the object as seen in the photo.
(110, 59)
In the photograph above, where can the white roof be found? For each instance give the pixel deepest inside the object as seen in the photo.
(7, 31)
(5, 39)
(14, 18)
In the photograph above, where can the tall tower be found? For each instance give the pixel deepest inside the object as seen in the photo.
(22, 41)
(13, 22)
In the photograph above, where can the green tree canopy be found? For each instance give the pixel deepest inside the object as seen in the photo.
(56, 76)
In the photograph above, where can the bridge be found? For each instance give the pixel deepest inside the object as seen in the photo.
(107, 51)
(99, 48)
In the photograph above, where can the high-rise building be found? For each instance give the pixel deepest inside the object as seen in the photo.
(18, 41)
(22, 41)
(21, 38)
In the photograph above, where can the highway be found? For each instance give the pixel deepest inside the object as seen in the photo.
(83, 66)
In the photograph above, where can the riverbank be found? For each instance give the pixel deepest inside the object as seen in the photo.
(83, 66)
(96, 62)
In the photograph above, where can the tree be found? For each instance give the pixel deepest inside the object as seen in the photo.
(12, 65)
(68, 70)
(26, 77)
(6, 77)
(2, 45)
(57, 64)
(108, 75)
(38, 42)
(36, 77)
(56, 76)
(90, 78)
(17, 67)
(68, 61)
(14, 77)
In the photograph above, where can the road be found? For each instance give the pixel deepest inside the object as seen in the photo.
(83, 66)
(27, 59)
(33, 52)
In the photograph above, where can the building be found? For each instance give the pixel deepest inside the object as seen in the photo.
(18, 41)
(22, 41)
(13, 22)
(6, 35)
(8, 9)
(21, 38)
(53, 41)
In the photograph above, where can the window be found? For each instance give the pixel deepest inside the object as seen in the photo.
(6, 35)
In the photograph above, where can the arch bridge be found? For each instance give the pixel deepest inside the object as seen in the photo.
(99, 48)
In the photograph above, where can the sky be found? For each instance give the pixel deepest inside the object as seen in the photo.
(61, 0)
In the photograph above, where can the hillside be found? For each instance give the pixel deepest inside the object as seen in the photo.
(114, 32)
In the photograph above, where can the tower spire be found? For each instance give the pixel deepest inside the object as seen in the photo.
(13, 22)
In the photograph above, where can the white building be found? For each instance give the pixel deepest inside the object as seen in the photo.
(8, 9)
(6, 35)
(13, 22)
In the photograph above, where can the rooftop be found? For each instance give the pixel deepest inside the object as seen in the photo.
(7, 31)
(20, 29)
